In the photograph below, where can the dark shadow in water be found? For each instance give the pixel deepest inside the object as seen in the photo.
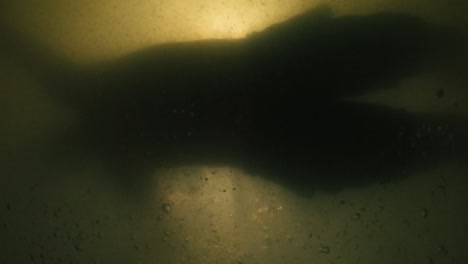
(269, 103)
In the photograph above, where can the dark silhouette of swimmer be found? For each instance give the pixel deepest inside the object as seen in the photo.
(269, 103)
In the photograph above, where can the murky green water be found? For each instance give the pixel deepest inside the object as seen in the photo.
(337, 136)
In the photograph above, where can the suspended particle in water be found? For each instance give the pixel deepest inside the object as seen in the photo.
(357, 216)
(166, 208)
(424, 212)
(78, 247)
(324, 249)
(442, 249)
(440, 93)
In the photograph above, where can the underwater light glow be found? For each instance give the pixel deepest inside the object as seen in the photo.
(87, 31)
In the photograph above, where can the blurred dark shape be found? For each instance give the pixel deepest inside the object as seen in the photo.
(440, 93)
(270, 103)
